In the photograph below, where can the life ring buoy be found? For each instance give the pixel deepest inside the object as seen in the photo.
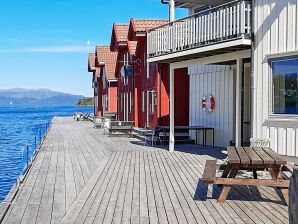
(208, 103)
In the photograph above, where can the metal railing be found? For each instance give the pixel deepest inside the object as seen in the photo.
(29, 151)
(222, 23)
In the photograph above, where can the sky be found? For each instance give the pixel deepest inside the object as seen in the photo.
(45, 43)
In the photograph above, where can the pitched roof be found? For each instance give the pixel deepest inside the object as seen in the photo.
(107, 58)
(91, 62)
(119, 35)
(121, 32)
(142, 25)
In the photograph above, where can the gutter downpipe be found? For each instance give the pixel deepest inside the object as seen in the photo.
(172, 10)
(171, 4)
(172, 101)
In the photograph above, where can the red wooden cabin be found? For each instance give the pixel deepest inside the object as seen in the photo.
(106, 60)
(95, 71)
(152, 85)
(126, 51)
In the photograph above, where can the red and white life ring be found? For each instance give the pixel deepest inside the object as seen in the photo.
(208, 103)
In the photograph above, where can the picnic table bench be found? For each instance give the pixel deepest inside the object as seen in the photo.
(248, 159)
(121, 128)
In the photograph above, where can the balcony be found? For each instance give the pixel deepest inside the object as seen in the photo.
(221, 29)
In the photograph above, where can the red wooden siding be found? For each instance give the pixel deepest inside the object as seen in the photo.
(155, 108)
(113, 97)
(99, 94)
(181, 88)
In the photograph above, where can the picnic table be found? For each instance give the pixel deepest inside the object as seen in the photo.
(248, 159)
(197, 129)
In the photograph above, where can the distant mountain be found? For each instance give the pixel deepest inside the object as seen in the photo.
(37, 97)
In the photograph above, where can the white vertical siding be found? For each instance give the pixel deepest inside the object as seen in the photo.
(276, 31)
(218, 81)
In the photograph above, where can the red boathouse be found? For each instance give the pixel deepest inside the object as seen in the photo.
(106, 61)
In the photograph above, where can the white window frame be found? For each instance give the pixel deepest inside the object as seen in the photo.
(152, 102)
(126, 60)
(121, 102)
(130, 102)
(104, 78)
(107, 102)
(270, 59)
(143, 101)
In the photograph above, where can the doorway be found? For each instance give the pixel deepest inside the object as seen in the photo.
(246, 105)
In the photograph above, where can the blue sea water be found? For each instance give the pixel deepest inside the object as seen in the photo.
(18, 126)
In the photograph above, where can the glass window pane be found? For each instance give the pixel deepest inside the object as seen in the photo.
(285, 83)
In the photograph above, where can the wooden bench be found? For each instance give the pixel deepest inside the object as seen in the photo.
(121, 128)
(209, 174)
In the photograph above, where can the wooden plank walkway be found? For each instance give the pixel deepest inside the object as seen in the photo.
(83, 176)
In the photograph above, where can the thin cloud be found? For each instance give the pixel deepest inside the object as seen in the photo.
(51, 49)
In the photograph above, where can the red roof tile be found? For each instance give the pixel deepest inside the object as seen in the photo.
(119, 35)
(109, 58)
(121, 32)
(142, 25)
(91, 62)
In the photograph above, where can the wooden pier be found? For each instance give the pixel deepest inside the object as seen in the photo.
(83, 176)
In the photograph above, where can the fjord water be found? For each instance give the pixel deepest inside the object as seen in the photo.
(18, 126)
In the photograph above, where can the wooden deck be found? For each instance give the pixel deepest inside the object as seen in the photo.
(83, 176)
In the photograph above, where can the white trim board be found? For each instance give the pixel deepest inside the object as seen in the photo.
(212, 59)
(281, 55)
(212, 47)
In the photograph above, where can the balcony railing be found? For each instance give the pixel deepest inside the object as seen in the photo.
(219, 24)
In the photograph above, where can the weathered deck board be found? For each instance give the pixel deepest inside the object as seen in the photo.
(83, 176)
(261, 208)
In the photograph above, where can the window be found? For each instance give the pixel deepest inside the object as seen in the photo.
(285, 83)
(107, 102)
(126, 62)
(143, 101)
(121, 102)
(130, 102)
(152, 102)
(104, 79)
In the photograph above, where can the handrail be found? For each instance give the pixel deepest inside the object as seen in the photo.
(198, 13)
(30, 151)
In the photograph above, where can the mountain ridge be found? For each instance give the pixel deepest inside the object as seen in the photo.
(37, 97)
